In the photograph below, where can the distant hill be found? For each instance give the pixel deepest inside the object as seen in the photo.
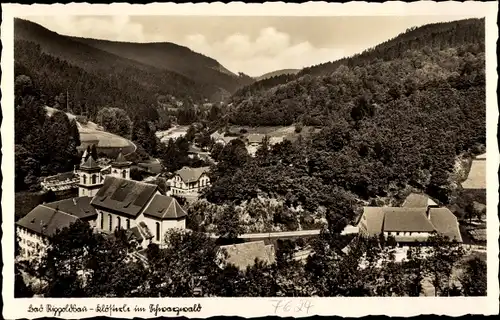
(277, 73)
(103, 73)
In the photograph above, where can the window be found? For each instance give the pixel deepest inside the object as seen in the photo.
(110, 222)
(128, 223)
(124, 174)
(119, 222)
(84, 179)
(94, 179)
(102, 221)
(157, 231)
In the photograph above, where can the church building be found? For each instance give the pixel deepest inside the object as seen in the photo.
(106, 202)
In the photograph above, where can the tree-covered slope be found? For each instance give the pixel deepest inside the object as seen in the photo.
(170, 56)
(433, 37)
(96, 78)
(277, 73)
(386, 125)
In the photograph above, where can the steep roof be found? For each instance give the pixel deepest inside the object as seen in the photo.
(221, 136)
(445, 223)
(188, 174)
(90, 164)
(255, 137)
(120, 158)
(79, 207)
(406, 220)
(120, 161)
(164, 207)
(372, 219)
(418, 200)
(124, 196)
(46, 219)
(243, 255)
(477, 176)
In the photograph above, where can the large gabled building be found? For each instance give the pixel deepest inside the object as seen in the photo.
(36, 228)
(417, 220)
(189, 180)
(106, 202)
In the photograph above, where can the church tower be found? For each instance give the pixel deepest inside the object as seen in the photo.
(90, 178)
(120, 168)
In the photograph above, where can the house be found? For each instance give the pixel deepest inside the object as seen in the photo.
(416, 220)
(221, 138)
(418, 200)
(253, 142)
(255, 139)
(189, 180)
(194, 152)
(243, 255)
(475, 184)
(40, 224)
(107, 203)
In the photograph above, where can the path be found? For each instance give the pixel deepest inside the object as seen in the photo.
(285, 234)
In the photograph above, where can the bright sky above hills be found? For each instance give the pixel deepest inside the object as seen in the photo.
(253, 45)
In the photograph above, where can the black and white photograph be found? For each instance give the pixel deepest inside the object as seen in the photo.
(266, 156)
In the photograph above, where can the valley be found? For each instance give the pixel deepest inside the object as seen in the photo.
(323, 173)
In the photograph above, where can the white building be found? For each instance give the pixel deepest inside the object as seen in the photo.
(189, 180)
(36, 228)
(106, 202)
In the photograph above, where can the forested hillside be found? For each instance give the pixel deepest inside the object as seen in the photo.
(95, 78)
(44, 144)
(388, 124)
(170, 56)
(423, 40)
(277, 73)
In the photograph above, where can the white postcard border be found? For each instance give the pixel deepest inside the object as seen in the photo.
(255, 307)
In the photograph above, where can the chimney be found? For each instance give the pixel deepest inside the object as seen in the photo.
(74, 201)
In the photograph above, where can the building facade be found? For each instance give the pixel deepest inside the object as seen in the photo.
(107, 202)
(418, 219)
(189, 180)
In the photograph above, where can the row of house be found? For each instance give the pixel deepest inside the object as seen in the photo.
(106, 202)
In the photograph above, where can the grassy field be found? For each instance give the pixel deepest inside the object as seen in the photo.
(91, 133)
(172, 133)
(107, 143)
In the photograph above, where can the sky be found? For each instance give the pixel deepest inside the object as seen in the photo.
(253, 45)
